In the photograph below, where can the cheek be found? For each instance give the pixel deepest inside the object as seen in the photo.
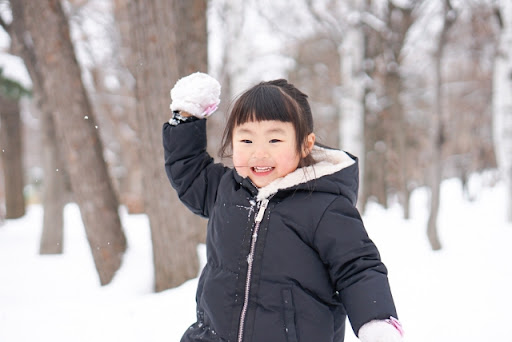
(239, 162)
(237, 157)
(292, 164)
(289, 161)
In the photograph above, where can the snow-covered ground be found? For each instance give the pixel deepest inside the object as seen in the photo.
(461, 293)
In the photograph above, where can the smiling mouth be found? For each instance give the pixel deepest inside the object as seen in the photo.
(262, 169)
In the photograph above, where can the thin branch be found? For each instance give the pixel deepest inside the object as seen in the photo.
(284, 30)
(497, 13)
(326, 20)
(374, 23)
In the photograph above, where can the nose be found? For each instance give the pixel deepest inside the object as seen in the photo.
(260, 153)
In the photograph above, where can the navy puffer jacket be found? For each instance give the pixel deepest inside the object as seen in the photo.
(286, 262)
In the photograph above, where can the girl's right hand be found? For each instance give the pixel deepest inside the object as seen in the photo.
(197, 94)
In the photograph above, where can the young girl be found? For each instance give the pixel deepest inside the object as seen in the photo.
(288, 257)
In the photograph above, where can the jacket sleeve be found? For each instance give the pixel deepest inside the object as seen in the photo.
(354, 264)
(189, 167)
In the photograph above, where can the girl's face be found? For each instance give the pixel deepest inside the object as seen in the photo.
(266, 150)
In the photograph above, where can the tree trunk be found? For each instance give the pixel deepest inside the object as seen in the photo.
(53, 196)
(192, 37)
(437, 138)
(351, 123)
(192, 56)
(231, 15)
(54, 188)
(502, 102)
(399, 20)
(45, 28)
(407, 204)
(12, 153)
(154, 25)
(116, 106)
(119, 117)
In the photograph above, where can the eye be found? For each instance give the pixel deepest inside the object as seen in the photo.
(246, 141)
(273, 141)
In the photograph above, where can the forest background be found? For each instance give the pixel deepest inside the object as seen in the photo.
(420, 90)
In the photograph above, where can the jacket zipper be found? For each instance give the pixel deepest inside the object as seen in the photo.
(250, 259)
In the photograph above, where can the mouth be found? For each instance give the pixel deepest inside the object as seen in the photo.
(262, 169)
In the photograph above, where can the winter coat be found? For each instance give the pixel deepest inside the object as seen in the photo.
(286, 262)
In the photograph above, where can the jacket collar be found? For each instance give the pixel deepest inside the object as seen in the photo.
(328, 162)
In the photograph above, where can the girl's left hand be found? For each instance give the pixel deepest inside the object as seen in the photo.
(389, 330)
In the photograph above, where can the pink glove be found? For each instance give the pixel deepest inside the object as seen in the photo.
(388, 330)
(197, 94)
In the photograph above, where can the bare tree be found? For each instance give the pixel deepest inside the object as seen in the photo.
(53, 167)
(315, 58)
(11, 153)
(43, 26)
(437, 130)
(191, 36)
(56, 189)
(503, 101)
(192, 56)
(160, 51)
(111, 88)
(352, 119)
(230, 17)
(388, 82)
(371, 37)
(468, 72)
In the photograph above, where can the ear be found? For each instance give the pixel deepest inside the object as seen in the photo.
(308, 145)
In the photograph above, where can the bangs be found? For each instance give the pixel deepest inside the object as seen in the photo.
(265, 103)
(275, 100)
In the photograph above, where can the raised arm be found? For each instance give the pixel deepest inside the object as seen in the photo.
(189, 167)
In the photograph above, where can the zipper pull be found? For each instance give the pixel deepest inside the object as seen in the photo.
(261, 210)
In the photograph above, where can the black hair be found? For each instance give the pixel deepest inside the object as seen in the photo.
(273, 100)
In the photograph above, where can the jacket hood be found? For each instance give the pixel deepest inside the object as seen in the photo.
(340, 167)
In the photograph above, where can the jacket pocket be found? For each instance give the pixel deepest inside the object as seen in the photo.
(289, 316)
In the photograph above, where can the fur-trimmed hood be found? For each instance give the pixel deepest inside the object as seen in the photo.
(328, 162)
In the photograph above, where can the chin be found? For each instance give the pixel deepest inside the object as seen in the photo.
(261, 184)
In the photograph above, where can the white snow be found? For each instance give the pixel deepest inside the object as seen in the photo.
(462, 293)
(14, 69)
